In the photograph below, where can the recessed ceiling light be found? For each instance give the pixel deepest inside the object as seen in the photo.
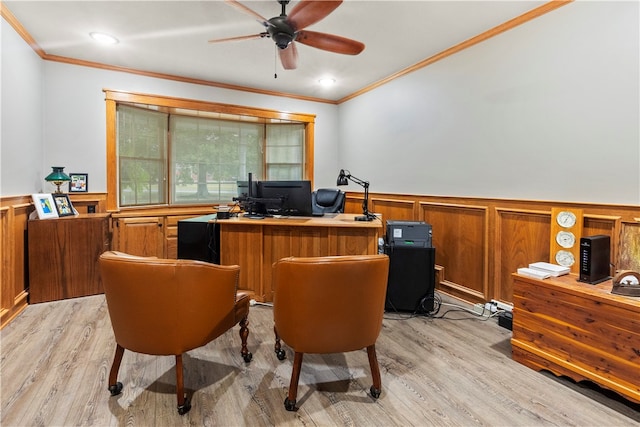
(103, 38)
(327, 81)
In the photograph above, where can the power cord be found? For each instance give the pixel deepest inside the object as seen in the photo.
(483, 316)
(420, 309)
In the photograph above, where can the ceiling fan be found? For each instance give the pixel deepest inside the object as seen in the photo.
(286, 30)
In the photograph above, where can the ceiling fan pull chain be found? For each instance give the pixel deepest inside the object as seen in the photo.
(275, 62)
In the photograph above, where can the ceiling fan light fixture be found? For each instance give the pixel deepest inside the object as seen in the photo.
(282, 39)
(104, 38)
(327, 81)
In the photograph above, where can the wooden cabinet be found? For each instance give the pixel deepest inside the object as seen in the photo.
(142, 236)
(578, 330)
(63, 256)
(171, 235)
(153, 235)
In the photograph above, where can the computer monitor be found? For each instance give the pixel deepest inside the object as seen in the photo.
(286, 197)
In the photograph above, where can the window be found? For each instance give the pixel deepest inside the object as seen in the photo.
(142, 143)
(169, 151)
(209, 156)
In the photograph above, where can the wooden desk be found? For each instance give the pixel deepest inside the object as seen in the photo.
(63, 256)
(578, 330)
(255, 244)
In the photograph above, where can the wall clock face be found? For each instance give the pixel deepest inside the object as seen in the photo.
(566, 239)
(565, 258)
(566, 219)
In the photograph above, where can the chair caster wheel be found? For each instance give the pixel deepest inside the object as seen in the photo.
(375, 393)
(281, 355)
(289, 405)
(183, 409)
(115, 389)
(247, 357)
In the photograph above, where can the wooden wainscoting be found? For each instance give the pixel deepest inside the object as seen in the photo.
(480, 242)
(14, 217)
(14, 213)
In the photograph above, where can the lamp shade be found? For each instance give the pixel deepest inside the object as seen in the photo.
(342, 178)
(57, 175)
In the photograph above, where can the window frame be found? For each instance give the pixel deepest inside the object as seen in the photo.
(112, 97)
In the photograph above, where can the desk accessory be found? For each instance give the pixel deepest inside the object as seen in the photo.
(594, 259)
(626, 282)
(343, 179)
(57, 177)
(63, 204)
(79, 183)
(566, 230)
(45, 206)
(554, 270)
(536, 274)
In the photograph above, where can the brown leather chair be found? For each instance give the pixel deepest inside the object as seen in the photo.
(168, 307)
(330, 304)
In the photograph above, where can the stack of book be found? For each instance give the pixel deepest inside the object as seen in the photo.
(543, 270)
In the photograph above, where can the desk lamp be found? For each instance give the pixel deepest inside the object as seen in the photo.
(57, 177)
(343, 179)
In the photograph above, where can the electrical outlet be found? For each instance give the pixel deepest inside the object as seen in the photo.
(501, 305)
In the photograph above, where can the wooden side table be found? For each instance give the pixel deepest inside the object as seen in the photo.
(63, 256)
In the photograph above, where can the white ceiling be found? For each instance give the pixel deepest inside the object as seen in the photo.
(171, 37)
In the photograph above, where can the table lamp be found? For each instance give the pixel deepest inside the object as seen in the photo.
(343, 179)
(57, 177)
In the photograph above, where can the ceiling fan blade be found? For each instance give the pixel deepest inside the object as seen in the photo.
(308, 12)
(289, 57)
(248, 11)
(330, 42)
(230, 39)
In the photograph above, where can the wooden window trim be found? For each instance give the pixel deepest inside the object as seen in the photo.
(112, 97)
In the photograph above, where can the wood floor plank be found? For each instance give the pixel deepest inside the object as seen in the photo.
(55, 360)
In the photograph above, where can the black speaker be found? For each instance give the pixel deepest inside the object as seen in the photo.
(412, 277)
(199, 239)
(594, 259)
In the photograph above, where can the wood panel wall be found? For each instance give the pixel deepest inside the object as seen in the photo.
(14, 217)
(479, 242)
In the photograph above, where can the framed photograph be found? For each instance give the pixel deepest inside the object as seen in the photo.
(63, 204)
(79, 182)
(45, 206)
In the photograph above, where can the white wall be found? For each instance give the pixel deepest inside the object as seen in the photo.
(75, 125)
(53, 114)
(21, 142)
(546, 111)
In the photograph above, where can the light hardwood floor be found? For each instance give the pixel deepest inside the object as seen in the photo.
(56, 358)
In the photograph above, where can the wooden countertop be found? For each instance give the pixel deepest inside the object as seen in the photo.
(570, 284)
(328, 220)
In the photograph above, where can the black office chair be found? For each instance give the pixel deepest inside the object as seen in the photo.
(327, 200)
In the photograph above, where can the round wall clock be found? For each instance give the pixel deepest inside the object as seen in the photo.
(565, 258)
(566, 219)
(566, 239)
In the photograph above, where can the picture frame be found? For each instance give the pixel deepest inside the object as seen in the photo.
(79, 182)
(63, 204)
(45, 206)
